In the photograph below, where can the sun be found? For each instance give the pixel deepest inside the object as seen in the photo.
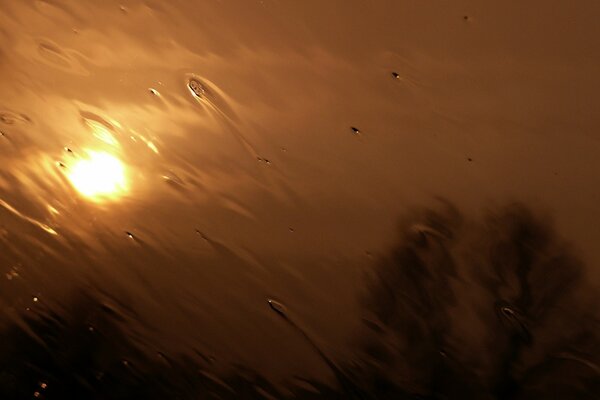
(98, 176)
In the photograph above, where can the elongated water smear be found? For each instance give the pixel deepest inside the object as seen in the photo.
(347, 386)
(26, 218)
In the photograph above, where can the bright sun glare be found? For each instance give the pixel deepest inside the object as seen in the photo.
(100, 175)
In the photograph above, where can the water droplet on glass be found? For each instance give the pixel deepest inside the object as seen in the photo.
(202, 234)
(129, 235)
(355, 130)
(172, 178)
(154, 92)
(507, 311)
(278, 307)
(196, 87)
(12, 274)
(396, 75)
(10, 118)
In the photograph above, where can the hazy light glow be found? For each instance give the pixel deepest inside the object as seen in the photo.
(98, 176)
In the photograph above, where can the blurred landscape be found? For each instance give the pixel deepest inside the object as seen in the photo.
(299, 199)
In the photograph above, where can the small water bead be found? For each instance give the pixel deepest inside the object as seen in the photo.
(12, 274)
(507, 311)
(278, 307)
(11, 118)
(196, 87)
(355, 130)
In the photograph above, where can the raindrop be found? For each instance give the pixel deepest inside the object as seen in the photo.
(171, 178)
(278, 307)
(35, 299)
(154, 92)
(43, 385)
(129, 235)
(10, 275)
(196, 87)
(202, 234)
(374, 326)
(36, 394)
(68, 150)
(469, 159)
(355, 130)
(516, 321)
(396, 75)
(60, 164)
(10, 118)
(507, 311)
(466, 17)
(291, 229)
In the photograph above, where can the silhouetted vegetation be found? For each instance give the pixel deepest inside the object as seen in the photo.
(495, 308)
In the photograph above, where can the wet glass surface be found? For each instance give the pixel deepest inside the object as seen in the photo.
(299, 199)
